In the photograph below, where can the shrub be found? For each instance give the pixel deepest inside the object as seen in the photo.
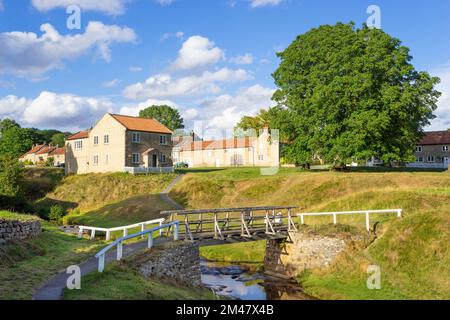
(56, 212)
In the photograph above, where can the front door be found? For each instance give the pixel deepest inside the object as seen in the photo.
(154, 161)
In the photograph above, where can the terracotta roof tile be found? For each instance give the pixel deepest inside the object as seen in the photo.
(141, 124)
(79, 135)
(57, 151)
(46, 150)
(233, 143)
(35, 149)
(435, 137)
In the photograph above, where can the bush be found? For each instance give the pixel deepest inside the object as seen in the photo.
(56, 212)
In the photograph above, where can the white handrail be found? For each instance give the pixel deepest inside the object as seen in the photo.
(123, 228)
(119, 242)
(335, 214)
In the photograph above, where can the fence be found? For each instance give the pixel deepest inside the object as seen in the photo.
(119, 242)
(146, 170)
(124, 229)
(335, 214)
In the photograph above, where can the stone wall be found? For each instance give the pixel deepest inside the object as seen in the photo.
(177, 262)
(302, 251)
(18, 230)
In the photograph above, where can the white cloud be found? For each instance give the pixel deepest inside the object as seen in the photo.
(111, 84)
(112, 7)
(197, 52)
(263, 3)
(186, 114)
(52, 110)
(178, 35)
(135, 69)
(224, 111)
(165, 86)
(165, 2)
(442, 122)
(12, 107)
(26, 53)
(244, 59)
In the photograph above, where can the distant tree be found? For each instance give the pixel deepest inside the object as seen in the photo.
(58, 139)
(346, 93)
(11, 177)
(6, 124)
(168, 116)
(256, 123)
(15, 141)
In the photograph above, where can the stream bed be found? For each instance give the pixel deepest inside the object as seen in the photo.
(239, 282)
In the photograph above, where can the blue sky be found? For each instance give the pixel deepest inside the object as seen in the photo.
(211, 59)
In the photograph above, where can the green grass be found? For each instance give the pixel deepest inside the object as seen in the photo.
(26, 265)
(121, 282)
(92, 191)
(8, 215)
(412, 252)
(246, 252)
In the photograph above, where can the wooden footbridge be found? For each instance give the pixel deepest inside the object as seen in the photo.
(234, 224)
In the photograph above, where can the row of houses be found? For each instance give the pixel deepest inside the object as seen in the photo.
(120, 143)
(41, 154)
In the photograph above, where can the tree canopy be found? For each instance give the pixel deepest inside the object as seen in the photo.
(346, 93)
(167, 115)
(256, 123)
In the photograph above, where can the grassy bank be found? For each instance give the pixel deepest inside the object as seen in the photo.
(25, 265)
(412, 252)
(244, 253)
(120, 282)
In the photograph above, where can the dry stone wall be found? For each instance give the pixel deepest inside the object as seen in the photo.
(177, 262)
(18, 230)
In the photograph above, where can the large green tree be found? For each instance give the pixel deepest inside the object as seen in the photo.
(346, 92)
(15, 141)
(167, 115)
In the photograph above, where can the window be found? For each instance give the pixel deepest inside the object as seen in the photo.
(135, 158)
(261, 157)
(163, 158)
(418, 148)
(136, 137)
(106, 139)
(430, 159)
(420, 159)
(107, 159)
(445, 148)
(163, 140)
(95, 160)
(96, 140)
(78, 144)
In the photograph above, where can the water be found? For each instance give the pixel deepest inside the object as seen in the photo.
(238, 282)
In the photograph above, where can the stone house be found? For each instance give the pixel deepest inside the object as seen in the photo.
(433, 150)
(261, 151)
(120, 143)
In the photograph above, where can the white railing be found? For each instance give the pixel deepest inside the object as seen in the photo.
(119, 242)
(124, 229)
(335, 214)
(142, 170)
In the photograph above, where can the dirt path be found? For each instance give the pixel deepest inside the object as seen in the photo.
(164, 195)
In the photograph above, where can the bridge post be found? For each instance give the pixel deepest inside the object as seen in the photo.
(175, 235)
(80, 232)
(108, 235)
(119, 251)
(101, 263)
(150, 240)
